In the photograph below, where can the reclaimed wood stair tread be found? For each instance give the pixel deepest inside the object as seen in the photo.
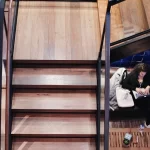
(115, 141)
(55, 125)
(54, 143)
(52, 102)
(54, 77)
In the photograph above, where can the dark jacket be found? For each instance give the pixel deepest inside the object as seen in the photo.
(131, 82)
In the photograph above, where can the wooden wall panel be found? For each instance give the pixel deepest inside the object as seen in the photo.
(133, 17)
(54, 30)
(72, 31)
(146, 4)
(116, 24)
(102, 6)
(127, 18)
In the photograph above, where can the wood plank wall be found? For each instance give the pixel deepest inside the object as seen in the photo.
(59, 31)
(127, 18)
(146, 5)
(133, 17)
(72, 31)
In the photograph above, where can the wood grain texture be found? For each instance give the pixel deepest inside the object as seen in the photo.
(127, 18)
(102, 6)
(58, 31)
(72, 31)
(116, 24)
(54, 76)
(133, 17)
(55, 124)
(55, 144)
(146, 4)
(84, 102)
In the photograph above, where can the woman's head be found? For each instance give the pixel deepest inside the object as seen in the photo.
(141, 69)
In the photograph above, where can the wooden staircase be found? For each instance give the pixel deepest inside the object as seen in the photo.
(54, 105)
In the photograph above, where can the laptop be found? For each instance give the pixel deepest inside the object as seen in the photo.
(137, 95)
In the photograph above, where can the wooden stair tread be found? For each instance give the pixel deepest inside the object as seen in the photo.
(54, 143)
(60, 125)
(55, 101)
(54, 76)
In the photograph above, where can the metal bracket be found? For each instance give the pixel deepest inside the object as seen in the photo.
(114, 2)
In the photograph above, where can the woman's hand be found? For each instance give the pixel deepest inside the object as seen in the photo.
(140, 91)
(147, 90)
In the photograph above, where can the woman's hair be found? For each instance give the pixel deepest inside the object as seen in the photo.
(140, 67)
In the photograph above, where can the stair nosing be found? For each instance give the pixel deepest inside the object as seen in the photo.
(54, 135)
(15, 86)
(14, 110)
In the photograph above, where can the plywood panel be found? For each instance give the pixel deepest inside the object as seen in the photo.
(102, 6)
(133, 17)
(146, 4)
(116, 24)
(127, 18)
(54, 30)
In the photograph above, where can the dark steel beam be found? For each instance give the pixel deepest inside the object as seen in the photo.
(8, 107)
(107, 76)
(103, 34)
(98, 100)
(114, 2)
(9, 72)
(102, 42)
(14, 25)
(5, 25)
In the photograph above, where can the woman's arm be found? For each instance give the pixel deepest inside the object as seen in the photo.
(129, 83)
(147, 90)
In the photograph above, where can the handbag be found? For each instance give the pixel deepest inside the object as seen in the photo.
(124, 98)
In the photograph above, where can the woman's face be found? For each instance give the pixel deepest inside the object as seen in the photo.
(142, 74)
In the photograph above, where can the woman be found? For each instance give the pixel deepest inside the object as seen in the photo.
(138, 80)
